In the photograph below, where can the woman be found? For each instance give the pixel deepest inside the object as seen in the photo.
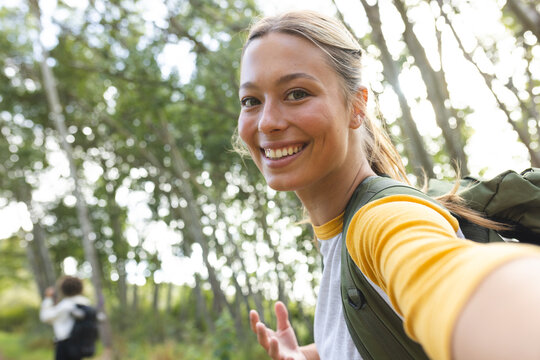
(303, 119)
(60, 315)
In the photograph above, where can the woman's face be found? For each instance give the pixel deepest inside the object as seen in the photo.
(294, 118)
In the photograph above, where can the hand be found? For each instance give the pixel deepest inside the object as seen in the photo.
(49, 292)
(280, 344)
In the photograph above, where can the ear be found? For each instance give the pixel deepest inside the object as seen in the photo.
(359, 107)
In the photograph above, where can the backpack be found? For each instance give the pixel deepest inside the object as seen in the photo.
(375, 328)
(84, 334)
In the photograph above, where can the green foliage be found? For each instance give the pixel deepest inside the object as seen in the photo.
(224, 338)
(15, 346)
(17, 317)
(14, 267)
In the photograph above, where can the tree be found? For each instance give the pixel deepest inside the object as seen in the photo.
(437, 91)
(527, 14)
(88, 235)
(415, 148)
(21, 155)
(528, 106)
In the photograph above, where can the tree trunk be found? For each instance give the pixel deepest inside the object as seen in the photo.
(135, 299)
(420, 160)
(122, 292)
(42, 263)
(37, 251)
(201, 309)
(230, 262)
(282, 296)
(43, 256)
(192, 216)
(122, 283)
(436, 92)
(38, 273)
(155, 297)
(88, 236)
(120, 248)
(168, 305)
(527, 15)
(522, 131)
(239, 296)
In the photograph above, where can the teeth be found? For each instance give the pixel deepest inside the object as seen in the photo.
(275, 154)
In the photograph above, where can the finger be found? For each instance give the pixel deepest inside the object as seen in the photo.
(262, 335)
(282, 316)
(253, 320)
(273, 350)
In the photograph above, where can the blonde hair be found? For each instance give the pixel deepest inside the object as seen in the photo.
(344, 55)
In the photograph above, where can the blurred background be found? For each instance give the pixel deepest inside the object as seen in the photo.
(116, 120)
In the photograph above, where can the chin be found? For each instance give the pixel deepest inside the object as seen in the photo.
(280, 185)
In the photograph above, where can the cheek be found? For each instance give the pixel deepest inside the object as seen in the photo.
(244, 129)
(247, 131)
(317, 122)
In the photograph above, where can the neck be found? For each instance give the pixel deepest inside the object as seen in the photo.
(326, 201)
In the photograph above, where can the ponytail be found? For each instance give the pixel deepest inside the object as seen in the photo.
(384, 158)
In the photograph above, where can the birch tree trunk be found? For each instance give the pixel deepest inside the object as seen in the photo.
(527, 15)
(36, 248)
(261, 219)
(42, 263)
(168, 302)
(437, 92)
(414, 144)
(88, 236)
(155, 297)
(42, 252)
(33, 261)
(520, 129)
(200, 305)
(122, 289)
(192, 216)
(135, 298)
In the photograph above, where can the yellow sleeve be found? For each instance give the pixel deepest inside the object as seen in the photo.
(409, 248)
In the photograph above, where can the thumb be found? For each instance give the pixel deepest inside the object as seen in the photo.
(282, 316)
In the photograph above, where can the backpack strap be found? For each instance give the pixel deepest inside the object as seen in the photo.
(375, 328)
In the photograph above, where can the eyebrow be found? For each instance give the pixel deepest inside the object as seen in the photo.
(282, 80)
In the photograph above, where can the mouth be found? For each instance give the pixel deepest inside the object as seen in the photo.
(282, 152)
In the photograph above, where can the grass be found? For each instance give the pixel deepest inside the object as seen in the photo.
(23, 346)
(14, 346)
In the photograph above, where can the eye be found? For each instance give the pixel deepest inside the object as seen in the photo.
(297, 94)
(249, 102)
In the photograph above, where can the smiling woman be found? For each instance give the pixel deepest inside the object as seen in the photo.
(304, 121)
(292, 104)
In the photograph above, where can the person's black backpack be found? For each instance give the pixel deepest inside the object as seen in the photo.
(84, 334)
(375, 328)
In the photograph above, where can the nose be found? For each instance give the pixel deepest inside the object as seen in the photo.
(271, 119)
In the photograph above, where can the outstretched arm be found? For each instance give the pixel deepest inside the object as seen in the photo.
(502, 318)
(482, 299)
(281, 344)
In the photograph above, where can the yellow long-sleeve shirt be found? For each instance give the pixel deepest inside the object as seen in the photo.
(409, 248)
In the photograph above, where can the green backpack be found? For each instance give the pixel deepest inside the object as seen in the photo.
(376, 329)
